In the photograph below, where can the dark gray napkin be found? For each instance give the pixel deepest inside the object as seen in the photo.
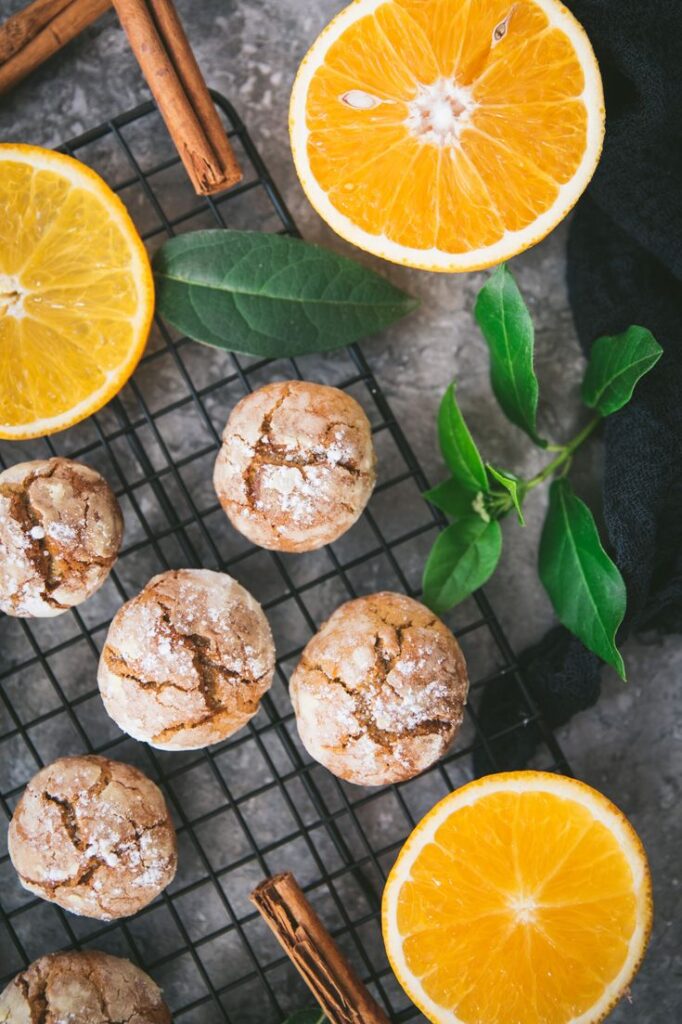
(624, 267)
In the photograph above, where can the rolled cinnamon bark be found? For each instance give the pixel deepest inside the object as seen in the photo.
(158, 40)
(23, 26)
(331, 979)
(31, 36)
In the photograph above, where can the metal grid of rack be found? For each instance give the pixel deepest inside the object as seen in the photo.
(255, 804)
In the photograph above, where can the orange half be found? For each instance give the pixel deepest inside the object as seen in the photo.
(76, 292)
(520, 897)
(447, 134)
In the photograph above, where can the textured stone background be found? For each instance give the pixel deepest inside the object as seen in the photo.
(630, 746)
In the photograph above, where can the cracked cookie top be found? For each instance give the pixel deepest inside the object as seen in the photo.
(380, 690)
(82, 988)
(60, 533)
(94, 836)
(186, 662)
(296, 466)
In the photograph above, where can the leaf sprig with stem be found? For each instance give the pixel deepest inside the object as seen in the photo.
(584, 585)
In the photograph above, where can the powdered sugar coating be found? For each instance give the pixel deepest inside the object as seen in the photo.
(186, 662)
(82, 988)
(60, 533)
(296, 466)
(379, 691)
(94, 836)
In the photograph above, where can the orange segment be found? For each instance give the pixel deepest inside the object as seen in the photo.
(473, 220)
(522, 896)
(446, 26)
(384, 54)
(545, 140)
(518, 191)
(485, 118)
(539, 68)
(24, 223)
(76, 292)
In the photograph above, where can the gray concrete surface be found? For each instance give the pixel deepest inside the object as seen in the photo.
(630, 746)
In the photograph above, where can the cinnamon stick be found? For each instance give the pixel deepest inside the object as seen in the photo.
(159, 42)
(32, 35)
(21, 27)
(337, 988)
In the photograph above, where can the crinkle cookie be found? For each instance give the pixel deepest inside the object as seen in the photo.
(93, 836)
(186, 662)
(296, 466)
(60, 533)
(379, 691)
(82, 988)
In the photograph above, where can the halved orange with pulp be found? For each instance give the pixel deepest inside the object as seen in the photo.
(521, 897)
(447, 134)
(76, 292)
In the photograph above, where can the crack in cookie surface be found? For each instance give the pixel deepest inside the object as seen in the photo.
(95, 863)
(56, 549)
(267, 452)
(88, 986)
(37, 1000)
(69, 818)
(30, 522)
(197, 633)
(296, 481)
(404, 683)
(113, 869)
(363, 712)
(117, 664)
(209, 671)
(210, 674)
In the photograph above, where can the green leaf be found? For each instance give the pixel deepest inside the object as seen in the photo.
(270, 295)
(616, 364)
(458, 447)
(307, 1017)
(507, 327)
(584, 586)
(514, 485)
(451, 498)
(462, 558)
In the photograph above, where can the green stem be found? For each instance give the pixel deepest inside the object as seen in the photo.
(564, 455)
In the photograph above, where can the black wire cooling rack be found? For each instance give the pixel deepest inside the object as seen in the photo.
(255, 804)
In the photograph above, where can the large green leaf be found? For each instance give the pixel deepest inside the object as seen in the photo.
(514, 485)
(507, 327)
(450, 497)
(458, 447)
(584, 586)
(616, 364)
(270, 295)
(462, 558)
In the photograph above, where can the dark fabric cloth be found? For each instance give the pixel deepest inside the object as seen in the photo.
(624, 267)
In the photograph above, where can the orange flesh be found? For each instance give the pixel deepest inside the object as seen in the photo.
(522, 909)
(518, 136)
(66, 267)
